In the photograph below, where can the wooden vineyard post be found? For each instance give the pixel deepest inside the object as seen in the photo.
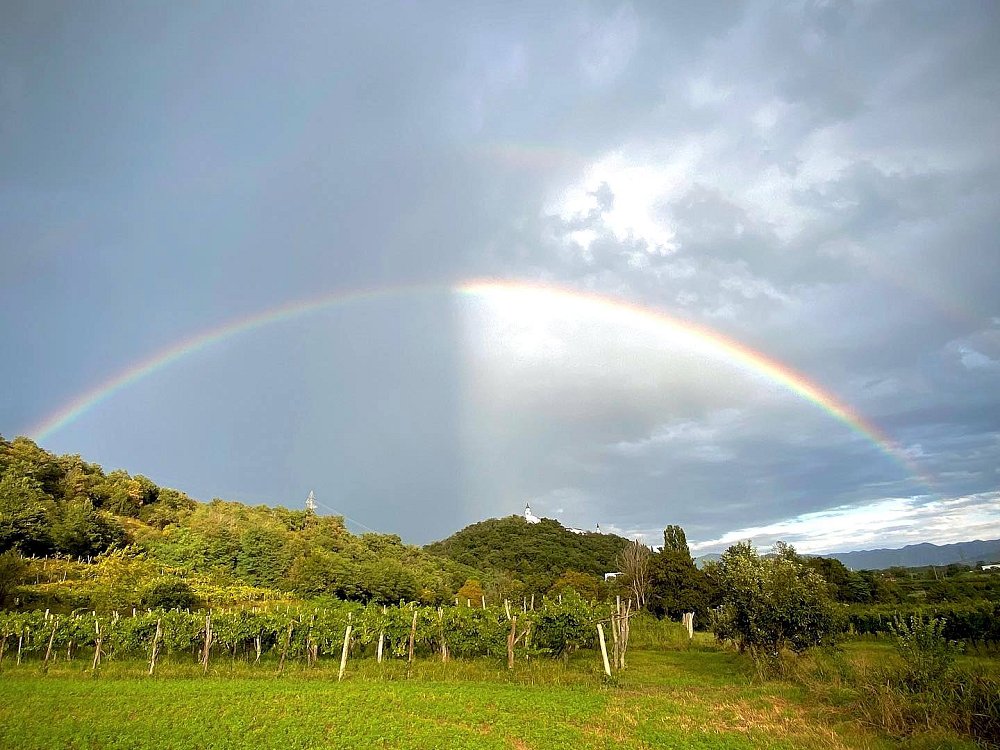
(3, 646)
(343, 654)
(604, 649)
(532, 602)
(506, 606)
(208, 642)
(20, 642)
(156, 648)
(312, 647)
(624, 628)
(510, 643)
(256, 645)
(48, 651)
(444, 643)
(615, 625)
(97, 644)
(413, 635)
(381, 637)
(284, 650)
(484, 601)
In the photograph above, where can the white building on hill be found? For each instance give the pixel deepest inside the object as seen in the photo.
(532, 518)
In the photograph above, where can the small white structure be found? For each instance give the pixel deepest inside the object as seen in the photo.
(311, 502)
(529, 516)
(611, 576)
(994, 566)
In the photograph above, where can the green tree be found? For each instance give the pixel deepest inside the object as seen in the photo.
(586, 586)
(23, 518)
(770, 604)
(316, 572)
(169, 593)
(471, 591)
(675, 540)
(677, 586)
(263, 558)
(12, 567)
(78, 529)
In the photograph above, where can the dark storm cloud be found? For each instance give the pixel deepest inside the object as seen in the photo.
(817, 180)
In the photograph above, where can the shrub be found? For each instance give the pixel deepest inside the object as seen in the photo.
(169, 593)
(771, 604)
(927, 655)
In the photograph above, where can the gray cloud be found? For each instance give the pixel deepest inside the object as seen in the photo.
(818, 181)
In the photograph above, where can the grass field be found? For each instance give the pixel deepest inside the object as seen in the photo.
(699, 698)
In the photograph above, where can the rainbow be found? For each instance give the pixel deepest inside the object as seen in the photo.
(730, 350)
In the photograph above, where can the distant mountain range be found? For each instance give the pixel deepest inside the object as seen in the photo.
(917, 555)
(910, 556)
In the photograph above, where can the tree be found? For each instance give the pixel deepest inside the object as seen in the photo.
(677, 586)
(12, 567)
(263, 557)
(471, 591)
(169, 593)
(769, 604)
(633, 563)
(23, 517)
(78, 529)
(674, 540)
(585, 585)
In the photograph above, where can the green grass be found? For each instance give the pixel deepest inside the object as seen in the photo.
(700, 697)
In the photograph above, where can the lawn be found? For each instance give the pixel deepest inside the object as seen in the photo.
(699, 698)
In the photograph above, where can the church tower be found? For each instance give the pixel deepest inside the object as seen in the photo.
(529, 516)
(311, 502)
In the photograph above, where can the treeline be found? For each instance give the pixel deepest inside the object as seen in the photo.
(147, 543)
(968, 621)
(951, 583)
(64, 506)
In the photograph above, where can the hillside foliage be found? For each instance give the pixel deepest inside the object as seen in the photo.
(63, 506)
(532, 557)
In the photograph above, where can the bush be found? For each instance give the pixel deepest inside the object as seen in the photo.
(927, 655)
(169, 593)
(771, 604)
(562, 627)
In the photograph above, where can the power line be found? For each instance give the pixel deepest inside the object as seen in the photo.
(317, 503)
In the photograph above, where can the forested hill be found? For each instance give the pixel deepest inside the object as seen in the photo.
(531, 552)
(52, 505)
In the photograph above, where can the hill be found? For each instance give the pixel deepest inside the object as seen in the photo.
(911, 556)
(535, 553)
(919, 555)
(65, 507)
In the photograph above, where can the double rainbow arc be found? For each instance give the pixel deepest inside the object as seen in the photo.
(730, 350)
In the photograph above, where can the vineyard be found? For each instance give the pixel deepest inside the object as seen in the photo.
(557, 627)
(971, 622)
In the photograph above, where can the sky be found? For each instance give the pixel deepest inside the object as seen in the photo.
(733, 266)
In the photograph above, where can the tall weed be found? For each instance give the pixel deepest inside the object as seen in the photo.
(923, 692)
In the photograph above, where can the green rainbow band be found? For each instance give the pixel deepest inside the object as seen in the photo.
(727, 348)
